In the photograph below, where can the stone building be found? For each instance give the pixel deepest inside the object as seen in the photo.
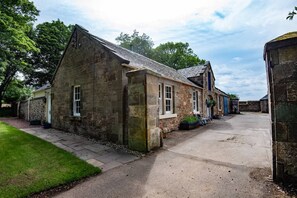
(264, 104)
(102, 90)
(280, 56)
(203, 76)
(222, 101)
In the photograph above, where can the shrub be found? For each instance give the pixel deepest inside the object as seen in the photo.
(190, 119)
(211, 103)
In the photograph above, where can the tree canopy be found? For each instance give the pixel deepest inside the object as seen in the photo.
(16, 91)
(176, 55)
(51, 39)
(16, 18)
(233, 96)
(141, 44)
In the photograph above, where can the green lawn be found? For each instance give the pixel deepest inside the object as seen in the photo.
(29, 164)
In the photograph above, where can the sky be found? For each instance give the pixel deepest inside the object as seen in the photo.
(231, 34)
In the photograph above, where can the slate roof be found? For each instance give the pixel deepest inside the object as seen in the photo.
(193, 71)
(139, 61)
(46, 86)
(222, 92)
(265, 97)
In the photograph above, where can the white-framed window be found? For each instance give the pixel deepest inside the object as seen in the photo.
(195, 101)
(160, 99)
(168, 99)
(76, 100)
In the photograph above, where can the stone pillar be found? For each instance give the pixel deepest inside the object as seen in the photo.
(281, 65)
(154, 132)
(143, 133)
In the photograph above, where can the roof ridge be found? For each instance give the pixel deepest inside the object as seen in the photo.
(192, 67)
(130, 51)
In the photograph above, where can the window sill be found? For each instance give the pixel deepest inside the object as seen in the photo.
(165, 116)
(75, 118)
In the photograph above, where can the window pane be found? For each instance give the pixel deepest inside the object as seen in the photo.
(76, 101)
(168, 92)
(197, 107)
(160, 101)
(159, 91)
(77, 93)
(77, 107)
(168, 105)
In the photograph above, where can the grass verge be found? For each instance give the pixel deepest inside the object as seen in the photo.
(29, 165)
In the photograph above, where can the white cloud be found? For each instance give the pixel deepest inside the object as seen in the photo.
(131, 14)
(249, 84)
(229, 33)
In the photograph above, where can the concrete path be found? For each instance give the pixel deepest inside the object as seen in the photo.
(230, 157)
(93, 152)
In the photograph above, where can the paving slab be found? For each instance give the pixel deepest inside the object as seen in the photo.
(85, 154)
(96, 147)
(95, 162)
(108, 157)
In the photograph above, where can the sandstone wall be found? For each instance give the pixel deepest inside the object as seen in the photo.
(281, 66)
(183, 105)
(208, 94)
(137, 104)
(219, 107)
(145, 122)
(99, 75)
(264, 106)
(251, 106)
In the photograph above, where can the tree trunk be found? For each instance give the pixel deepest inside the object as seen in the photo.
(1, 101)
(9, 74)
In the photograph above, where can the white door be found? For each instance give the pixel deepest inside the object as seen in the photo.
(49, 107)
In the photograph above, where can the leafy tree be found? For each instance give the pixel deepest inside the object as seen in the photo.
(16, 19)
(292, 14)
(176, 55)
(233, 96)
(51, 39)
(16, 91)
(141, 44)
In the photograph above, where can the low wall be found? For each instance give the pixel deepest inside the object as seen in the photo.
(253, 106)
(33, 109)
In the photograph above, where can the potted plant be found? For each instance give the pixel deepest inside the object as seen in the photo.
(211, 103)
(47, 125)
(189, 122)
(35, 122)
